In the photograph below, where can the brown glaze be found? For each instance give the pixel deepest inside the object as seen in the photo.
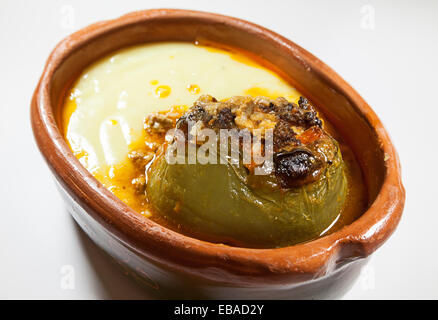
(104, 217)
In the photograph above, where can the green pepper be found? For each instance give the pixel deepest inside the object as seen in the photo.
(227, 203)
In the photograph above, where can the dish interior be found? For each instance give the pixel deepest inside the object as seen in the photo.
(101, 111)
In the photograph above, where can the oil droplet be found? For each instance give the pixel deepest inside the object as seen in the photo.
(193, 89)
(113, 122)
(257, 91)
(80, 153)
(162, 91)
(154, 82)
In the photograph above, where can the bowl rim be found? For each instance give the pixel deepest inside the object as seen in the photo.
(196, 257)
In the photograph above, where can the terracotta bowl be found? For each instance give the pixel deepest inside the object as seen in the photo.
(177, 266)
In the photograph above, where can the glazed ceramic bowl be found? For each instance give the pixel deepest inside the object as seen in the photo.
(173, 265)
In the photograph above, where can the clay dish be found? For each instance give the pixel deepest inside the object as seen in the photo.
(174, 265)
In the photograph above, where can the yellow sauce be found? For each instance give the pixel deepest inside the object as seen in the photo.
(194, 89)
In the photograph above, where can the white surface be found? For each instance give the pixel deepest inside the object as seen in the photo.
(393, 66)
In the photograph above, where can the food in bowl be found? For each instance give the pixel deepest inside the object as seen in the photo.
(175, 265)
(117, 116)
(290, 198)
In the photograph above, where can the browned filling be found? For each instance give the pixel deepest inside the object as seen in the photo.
(302, 148)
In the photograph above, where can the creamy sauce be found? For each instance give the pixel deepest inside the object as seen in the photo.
(103, 114)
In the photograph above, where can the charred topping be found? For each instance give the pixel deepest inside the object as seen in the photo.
(284, 136)
(270, 107)
(302, 115)
(224, 119)
(197, 113)
(295, 166)
(297, 133)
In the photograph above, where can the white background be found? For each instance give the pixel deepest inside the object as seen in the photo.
(391, 63)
